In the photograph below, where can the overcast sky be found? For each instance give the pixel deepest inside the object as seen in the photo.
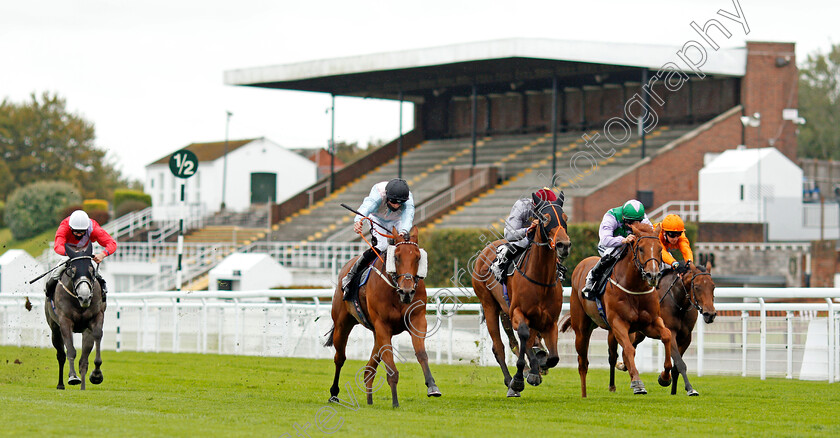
(149, 74)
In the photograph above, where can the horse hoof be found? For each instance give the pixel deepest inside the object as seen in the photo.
(61, 387)
(612, 388)
(96, 378)
(433, 392)
(333, 399)
(693, 393)
(620, 366)
(638, 387)
(512, 393)
(517, 384)
(552, 362)
(663, 382)
(74, 380)
(534, 379)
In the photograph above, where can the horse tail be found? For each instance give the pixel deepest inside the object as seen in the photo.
(329, 335)
(565, 323)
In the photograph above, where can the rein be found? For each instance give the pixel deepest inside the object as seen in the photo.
(690, 296)
(639, 267)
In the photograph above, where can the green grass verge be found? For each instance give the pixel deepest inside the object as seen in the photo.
(211, 395)
(35, 246)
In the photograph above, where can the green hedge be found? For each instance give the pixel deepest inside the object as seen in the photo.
(123, 195)
(2, 210)
(444, 246)
(37, 207)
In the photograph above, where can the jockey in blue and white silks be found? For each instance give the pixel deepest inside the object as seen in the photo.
(391, 205)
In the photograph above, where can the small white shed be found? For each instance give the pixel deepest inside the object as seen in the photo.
(244, 271)
(753, 186)
(17, 268)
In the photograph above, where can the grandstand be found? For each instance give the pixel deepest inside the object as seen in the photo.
(494, 110)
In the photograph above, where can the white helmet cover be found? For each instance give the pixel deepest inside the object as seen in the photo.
(79, 221)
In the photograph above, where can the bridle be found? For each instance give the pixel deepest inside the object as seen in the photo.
(690, 296)
(394, 277)
(641, 265)
(77, 283)
(549, 242)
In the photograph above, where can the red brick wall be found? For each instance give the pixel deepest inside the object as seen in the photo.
(767, 89)
(671, 175)
(823, 263)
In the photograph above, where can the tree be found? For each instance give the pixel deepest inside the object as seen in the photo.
(41, 140)
(819, 104)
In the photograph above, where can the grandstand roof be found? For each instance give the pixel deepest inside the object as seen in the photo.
(382, 75)
(207, 151)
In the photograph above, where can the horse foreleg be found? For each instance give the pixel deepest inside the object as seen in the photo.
(341, 331)
(682, 346)
(518, 383)
(96, 376)
(612, 346)
(658, 330)
(508, 327)
(386, 355)
(491, 317)
(534, 376)
(87, 347)
(60, 355)
(419, 344)
(551, 344)
(620, 329)
(67, 336)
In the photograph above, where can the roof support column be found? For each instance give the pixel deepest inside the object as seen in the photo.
(553, 127)
(646, 100)
(474, 121)
(332, 144)
(399, 140)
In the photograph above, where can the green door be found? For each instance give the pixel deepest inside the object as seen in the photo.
(263, 187)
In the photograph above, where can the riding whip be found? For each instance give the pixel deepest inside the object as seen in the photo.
(45, 273)
(371, 220)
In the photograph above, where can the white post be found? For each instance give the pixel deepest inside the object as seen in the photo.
(236, 336)
(174, 326)
(701, 331)
(179, 273)
(789, 319)
(204, 325)
(831, 344)
(744, 316)
(763, 351)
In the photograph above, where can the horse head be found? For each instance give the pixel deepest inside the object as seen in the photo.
(552, 227)
(406, 263)
(81, 273)
(700, 289)
(647, 253)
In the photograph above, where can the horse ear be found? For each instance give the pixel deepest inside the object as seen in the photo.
(69, 250)
(708, 266)
(565, 218)
(395, 233)
(536, 199)
(414, 233)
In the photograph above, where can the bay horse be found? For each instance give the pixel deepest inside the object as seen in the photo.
(682, 297)
(629, 305)
(391, 304)
(536, 295)
(77, 307)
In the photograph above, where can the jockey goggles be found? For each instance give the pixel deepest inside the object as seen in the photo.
(673, 234)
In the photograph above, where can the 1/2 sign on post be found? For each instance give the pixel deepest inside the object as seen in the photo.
(183, 164)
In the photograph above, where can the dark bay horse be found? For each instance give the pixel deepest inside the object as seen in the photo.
(536, 295)
(629, 304)
(77, 307)
(682, 297)
(393, 300)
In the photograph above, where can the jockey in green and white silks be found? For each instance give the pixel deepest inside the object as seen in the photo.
(614, 232)
(391, 205)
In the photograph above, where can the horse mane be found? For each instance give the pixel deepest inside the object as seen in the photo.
(644, 227)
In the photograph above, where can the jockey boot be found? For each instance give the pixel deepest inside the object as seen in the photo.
(594, 276)
(499, 265)
(361, 262)
(49, 288)
(102, 285)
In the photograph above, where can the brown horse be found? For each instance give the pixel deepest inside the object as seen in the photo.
(77, 307)
(629, 304)
(536, 295)
(393, 300)
(681, 298)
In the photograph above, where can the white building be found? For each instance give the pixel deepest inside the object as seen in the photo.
(248, 271)
(728, 191)
(257, 171)
(17, 268)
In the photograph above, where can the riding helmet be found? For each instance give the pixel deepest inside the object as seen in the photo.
(79, 221)
(546, 194)
(397, 190)
(673, 222)
(633, 210)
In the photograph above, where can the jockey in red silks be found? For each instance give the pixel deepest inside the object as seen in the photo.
(78, 231)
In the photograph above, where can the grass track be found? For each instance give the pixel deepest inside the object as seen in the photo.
(148, 394)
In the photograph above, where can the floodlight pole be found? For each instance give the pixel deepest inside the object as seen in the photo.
(224, 160)
(332, 144)
(400, 140)
(553, 128)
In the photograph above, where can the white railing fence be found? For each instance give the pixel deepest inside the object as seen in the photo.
(127, 224)
(689, 211)
(767, 339)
